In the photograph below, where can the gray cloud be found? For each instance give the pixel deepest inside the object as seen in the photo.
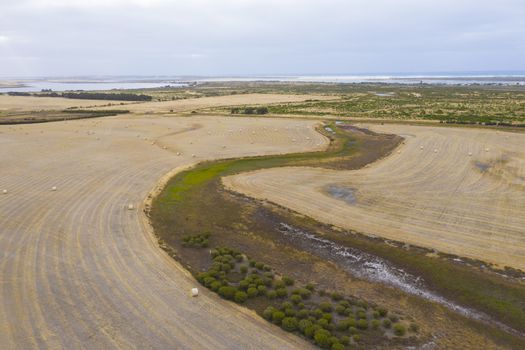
(73, 37)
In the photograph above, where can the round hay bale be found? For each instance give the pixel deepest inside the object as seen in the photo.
(131, 207)
(4, 191)
(54, 188)
(194, 292)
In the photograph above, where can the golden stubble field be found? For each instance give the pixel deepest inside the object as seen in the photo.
(459, 191)
(80, 270)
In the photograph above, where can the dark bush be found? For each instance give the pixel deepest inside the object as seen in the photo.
(303, 324)
(325, 306)
(288, 280)
(387, 323)
(240, 297)
(322, 338)
(281, 292)
(362, 324)
(296, 299)
(268, 312)
(277, 317)
(290, 324)
(227, 292)
(399, 329)
(375, 324)
(252, 292)
(336, 296)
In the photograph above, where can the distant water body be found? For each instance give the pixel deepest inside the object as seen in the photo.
(29, 85)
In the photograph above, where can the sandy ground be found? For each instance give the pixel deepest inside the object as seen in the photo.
(218, 101)
(79, 270)
(430, 192)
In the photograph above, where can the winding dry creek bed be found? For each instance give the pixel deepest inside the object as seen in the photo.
(261, 234)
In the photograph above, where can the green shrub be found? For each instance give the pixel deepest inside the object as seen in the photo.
(290, 312)
(268, 312)
(393, 318)
(305, 293)
(375, 324)
(325, 306)
(387, 323)
(310, 287)
(376, 315)
(342, 325)
(215, 286)
(303, 324)
(271, 294)
(309, 331)
(288, 280)
(328, 317)
(399, 329)
(344, 303)
(362, 324)
(252, 292)
(278, 284)
(296, 299)
(361, 315)
(340, 309)
(303, 313)
(336, 296)
(262, 289)
(240, 297)
(278, 316)
(252, 263)
(335, 344)
(414, 327)
(345, 340)
(322, 338)
(259, 265)
(322, 322)
(353, 330)
(317, 313)
(286, 305)
(356, 338)
(227, 292)
(281, 292)
(244, 269)
(196, 241)
(290, 324)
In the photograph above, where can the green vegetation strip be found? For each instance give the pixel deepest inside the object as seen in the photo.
(182, 198)
(329, 320)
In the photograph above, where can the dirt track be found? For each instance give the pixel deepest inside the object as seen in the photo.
(430, 193)
(80, 270)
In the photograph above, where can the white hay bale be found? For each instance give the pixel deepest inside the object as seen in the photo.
(178, 153)
(435, 151)
(194, 292)
(54, 188)
(420, 147)
(470, 154)
(487, 149)
(193, 155)
(4, 191)
(131, 207)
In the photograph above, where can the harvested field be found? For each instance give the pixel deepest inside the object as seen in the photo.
(187, 105)
(81, 270)
(31, 103)
(455, 190)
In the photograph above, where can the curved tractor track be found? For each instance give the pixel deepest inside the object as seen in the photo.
(78, 269)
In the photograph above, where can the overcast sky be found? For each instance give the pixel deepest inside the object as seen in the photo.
(225, 37)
